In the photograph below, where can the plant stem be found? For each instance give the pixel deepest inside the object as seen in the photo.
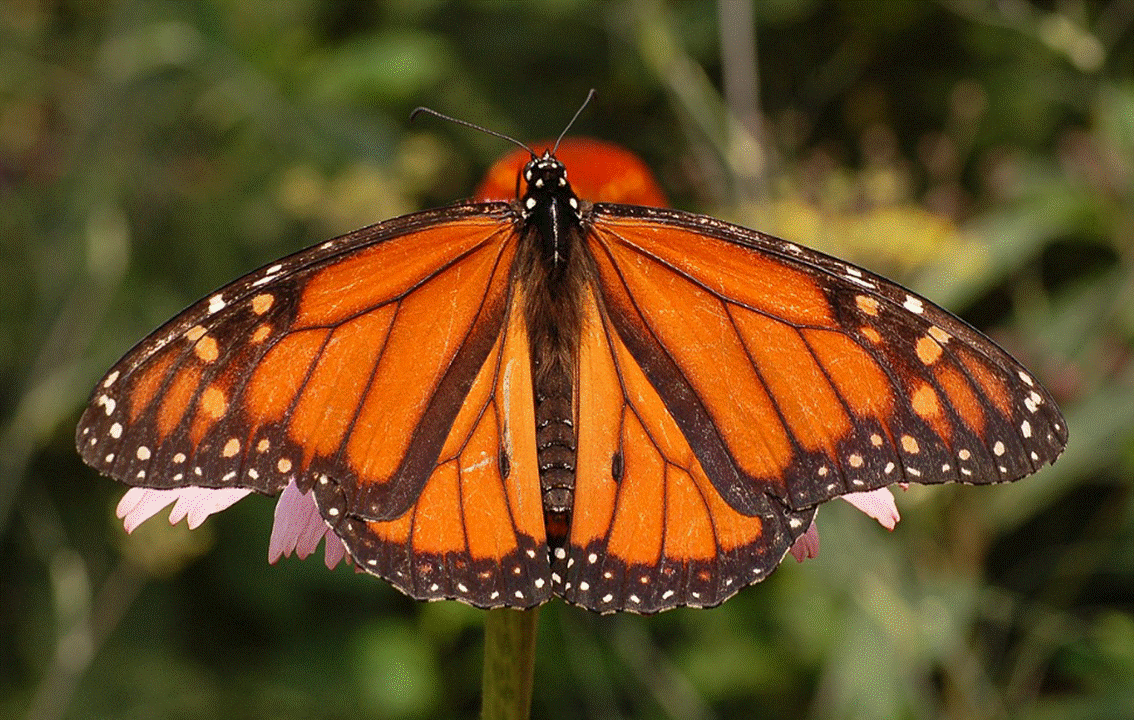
(509, 663)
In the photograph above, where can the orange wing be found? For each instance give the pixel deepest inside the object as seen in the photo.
(476, 532)
(729, 382)
(346, 368)
(732, 381)
(649, 530)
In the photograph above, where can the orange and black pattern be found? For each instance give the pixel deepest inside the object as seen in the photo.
(723, 384)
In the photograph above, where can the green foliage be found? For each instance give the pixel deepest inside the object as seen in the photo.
(983, 153)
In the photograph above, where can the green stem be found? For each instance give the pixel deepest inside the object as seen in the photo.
(509, 663)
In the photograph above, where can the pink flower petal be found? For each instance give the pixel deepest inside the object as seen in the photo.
(878, 504)
(203, 502)
(299, 527)
(806, 545)
(333, 551)
(140, 504)
(195, 503)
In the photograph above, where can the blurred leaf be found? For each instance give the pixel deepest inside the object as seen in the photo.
(397, 65)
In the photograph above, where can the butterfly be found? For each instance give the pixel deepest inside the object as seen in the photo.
(628, 407)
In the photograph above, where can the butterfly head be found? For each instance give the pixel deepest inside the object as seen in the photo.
(546, 181)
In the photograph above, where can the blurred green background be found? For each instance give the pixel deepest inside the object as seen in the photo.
(981, 152)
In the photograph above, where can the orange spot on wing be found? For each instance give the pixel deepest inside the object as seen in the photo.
(211, 407)
(732, 529)
(928, 351)
(395, 532)
(867, 304)
(262, 303)
(206, 349)
(926, 404)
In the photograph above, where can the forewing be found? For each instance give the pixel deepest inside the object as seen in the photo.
(349, 360)
(796, 375)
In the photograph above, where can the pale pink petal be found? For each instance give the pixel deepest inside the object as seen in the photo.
(299, 527)
(140, 504)
(196, 503)
(296, 519)
(878, 504)
(806, 545)
(333, 551)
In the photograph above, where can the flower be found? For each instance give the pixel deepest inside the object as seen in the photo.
(298, 527)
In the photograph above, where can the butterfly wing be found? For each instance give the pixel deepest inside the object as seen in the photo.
(346, 364)
(649, 530)
(476, 533)
(792, 378)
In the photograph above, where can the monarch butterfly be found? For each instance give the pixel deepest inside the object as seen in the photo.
(632, 408)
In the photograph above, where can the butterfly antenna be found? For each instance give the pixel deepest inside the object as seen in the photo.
(578, 112)
(418, 110)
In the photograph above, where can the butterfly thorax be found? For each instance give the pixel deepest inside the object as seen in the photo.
(554, 270)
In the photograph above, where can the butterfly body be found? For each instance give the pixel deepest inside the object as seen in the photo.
(631, 408)
(552, 265)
